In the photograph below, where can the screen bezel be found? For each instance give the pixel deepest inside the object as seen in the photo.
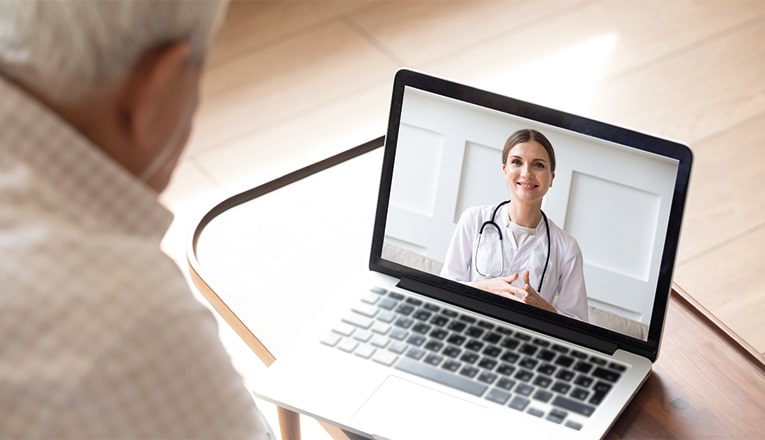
(461, 295)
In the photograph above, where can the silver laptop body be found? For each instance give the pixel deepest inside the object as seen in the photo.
(403, 352)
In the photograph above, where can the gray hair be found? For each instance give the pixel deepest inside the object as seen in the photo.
(63, 48)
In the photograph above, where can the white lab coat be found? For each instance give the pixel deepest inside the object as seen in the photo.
(563, 286)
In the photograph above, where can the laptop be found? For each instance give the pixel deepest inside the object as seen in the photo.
(417, 354)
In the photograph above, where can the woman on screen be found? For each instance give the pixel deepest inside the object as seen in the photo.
(512, 249)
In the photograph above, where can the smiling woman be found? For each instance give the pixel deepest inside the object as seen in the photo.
(509, 248)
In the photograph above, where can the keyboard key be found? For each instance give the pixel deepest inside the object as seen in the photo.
(542, 381)
(405, 309)
(491, 351)
(528, 349)
(440, 376)
(404, 322)
(510, 344)
(469, 371)
(561, 387)
(386, 316)
(564, 361)
(523, 375)
(384, 357)
(528, 363)
(524, 389)
(469, 357)
(541, 342)
(415, 353)
(456, 340)
(486, 324)
(449, 313)
(583, 381)
(432, 307)
(434, 345)
(452, 351)
(416, 340)
(365, 351)
(380, 328)
(397, 347)
(521, 336)
(560, 348)
(519, 403)
(498, 396)
(505, 369)
(510, 357)
(546, 355)
(422, 315)
(395, 295)
(433, 359)
(600, 390)
(492, 338)
(387, 303)
(573, 406)
(347, 345)
(343, 329)
(580, 394)
(557, 416)
(574, 425)
(451, 365)
(505, 383)
(487, 363)
(439, 334)
(439, 320)
(618, 367)
(379, 341)
(565, 375)
(331, 339)
(365, 309)
(413, 301)
(457, 326)
(398, 334)
(362, 335)
(487, 377)
(474, 345)
(543, 396)
(474, 332)
(468, 319)
(536, 412)
(421, 328)
(583, 367)
(546, 369)
(608, 375)
(578, 354)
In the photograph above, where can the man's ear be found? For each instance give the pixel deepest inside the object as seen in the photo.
(145, 89)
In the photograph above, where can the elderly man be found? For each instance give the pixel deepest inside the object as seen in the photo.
(101, 337)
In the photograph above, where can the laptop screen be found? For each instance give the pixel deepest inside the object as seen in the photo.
(601, 256)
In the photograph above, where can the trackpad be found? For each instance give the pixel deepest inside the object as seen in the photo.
(402, 409)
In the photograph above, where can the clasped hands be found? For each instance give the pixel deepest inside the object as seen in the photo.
(526, 294)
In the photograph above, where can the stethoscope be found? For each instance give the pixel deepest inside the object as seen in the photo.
(493, 224)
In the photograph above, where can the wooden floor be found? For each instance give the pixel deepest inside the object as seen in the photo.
(291, 82)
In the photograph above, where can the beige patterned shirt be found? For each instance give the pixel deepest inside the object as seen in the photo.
(100, 336)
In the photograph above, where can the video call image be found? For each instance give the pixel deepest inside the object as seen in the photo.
(563, 221)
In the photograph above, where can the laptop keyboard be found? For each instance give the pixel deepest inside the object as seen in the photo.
(506, 366)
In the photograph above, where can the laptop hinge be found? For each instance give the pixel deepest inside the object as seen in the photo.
(480, 306)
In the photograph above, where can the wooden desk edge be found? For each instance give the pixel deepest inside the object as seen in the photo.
(695, 307)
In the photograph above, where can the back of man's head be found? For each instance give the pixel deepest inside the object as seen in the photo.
(63, 49)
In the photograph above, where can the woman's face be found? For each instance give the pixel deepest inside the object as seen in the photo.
(527, 171)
